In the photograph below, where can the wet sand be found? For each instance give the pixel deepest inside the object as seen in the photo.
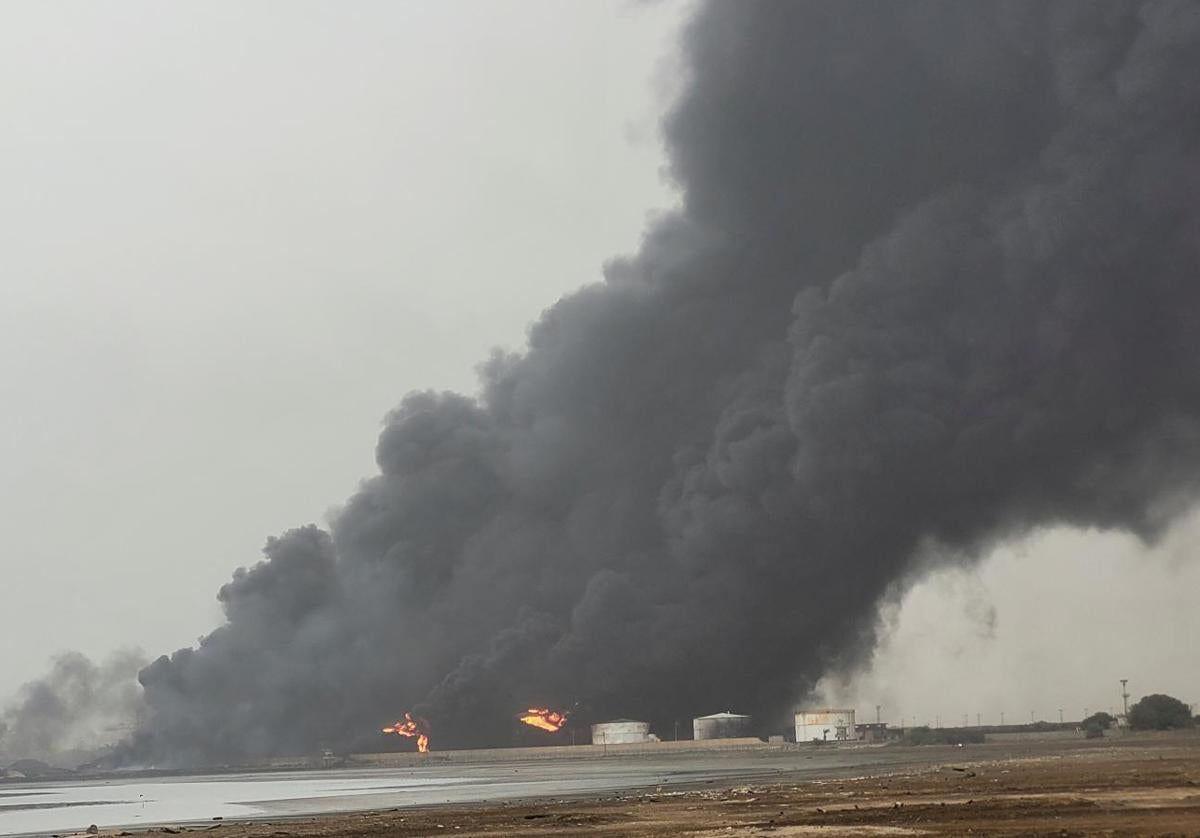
(1132, 786)
(417, 781)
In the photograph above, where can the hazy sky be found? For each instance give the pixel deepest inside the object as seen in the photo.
(233, 235)
(1052, 622)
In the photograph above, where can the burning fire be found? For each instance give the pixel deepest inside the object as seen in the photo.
(412, 727)
(544, 718)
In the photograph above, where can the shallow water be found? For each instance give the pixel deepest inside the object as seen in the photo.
(145, 801)
(48, 807)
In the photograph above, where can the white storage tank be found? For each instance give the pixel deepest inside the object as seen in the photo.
(621, 732)
(829, 725)
(721, 726)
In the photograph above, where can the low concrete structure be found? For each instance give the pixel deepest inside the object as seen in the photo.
(876, 732)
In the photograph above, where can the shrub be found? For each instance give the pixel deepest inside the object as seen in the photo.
(942, 736)
(1101, 720)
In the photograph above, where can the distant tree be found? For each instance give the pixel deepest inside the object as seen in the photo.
(1160, 712)
(1101, 720)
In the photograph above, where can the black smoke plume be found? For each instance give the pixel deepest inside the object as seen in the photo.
(933, 283)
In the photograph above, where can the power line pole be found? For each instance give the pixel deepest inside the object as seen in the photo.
(1060, 721)
(877, 707)
(1001, 718)
(1125, 696)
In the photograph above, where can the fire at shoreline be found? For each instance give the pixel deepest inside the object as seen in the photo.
(411, 727)
(414, 727)
(544, 718)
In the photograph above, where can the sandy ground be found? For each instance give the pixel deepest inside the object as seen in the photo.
(1145, 787)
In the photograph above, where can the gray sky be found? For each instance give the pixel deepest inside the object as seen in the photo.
(233, 235)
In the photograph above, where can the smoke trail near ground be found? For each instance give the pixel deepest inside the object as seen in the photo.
(74, 711)
(933, 282)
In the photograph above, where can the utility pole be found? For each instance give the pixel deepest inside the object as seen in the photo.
(877, 707)
(1125, 697)
(1060, 721)
(1031, 717)
(977, 722)
(1001, 718)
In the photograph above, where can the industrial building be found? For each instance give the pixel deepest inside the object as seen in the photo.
(622, 732)
(721, 726)
(829, 725)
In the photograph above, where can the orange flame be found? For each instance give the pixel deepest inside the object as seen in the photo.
(544, 718)
(410, 727)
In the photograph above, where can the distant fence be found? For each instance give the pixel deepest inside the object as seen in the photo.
(408, 758)
(1037, 735)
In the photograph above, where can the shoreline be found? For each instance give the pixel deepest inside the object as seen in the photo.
(1134, 784)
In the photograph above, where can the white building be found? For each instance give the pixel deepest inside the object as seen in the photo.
(829, 725)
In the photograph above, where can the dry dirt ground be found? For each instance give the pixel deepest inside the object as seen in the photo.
(1150, 788)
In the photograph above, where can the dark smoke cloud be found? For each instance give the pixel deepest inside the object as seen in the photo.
(74, 711)
(933, 283)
